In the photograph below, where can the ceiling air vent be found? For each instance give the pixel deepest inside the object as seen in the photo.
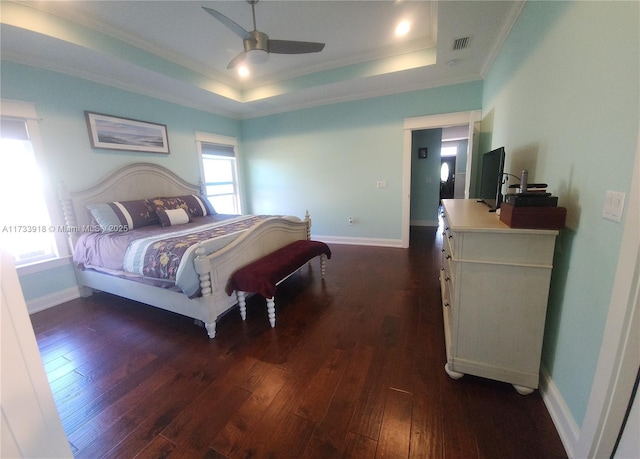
(460, 43)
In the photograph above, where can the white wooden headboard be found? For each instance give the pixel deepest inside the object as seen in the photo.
(133, 181)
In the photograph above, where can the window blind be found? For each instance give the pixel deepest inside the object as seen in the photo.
(218, 150)
(13, 129)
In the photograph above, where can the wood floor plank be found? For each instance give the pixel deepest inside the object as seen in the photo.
(367, 417)
(359, 447)
(317, 396)
(426, 418)
(159, 447)
(242, 424)
(289, 438)
(197, 426)
(329, 437)
(395, 433)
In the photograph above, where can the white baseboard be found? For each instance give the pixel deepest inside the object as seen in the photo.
(560, 414)
(358, 241)
(48, 301)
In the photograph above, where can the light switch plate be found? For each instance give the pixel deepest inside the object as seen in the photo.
(613, 206)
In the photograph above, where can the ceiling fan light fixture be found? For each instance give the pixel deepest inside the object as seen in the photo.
(257, 45)
(256, 56)
(403, 28)
(243, 71)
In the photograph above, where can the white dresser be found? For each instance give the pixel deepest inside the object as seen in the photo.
(495, 287)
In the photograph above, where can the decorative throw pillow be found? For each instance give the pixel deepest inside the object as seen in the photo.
(173, 217)
(123, 215)
(196, 206)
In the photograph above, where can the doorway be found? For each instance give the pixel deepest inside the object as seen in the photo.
(469, 118)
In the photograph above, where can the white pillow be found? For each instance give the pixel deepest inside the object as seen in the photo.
(173, 217)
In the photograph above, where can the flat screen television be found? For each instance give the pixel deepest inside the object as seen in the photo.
(491, 178)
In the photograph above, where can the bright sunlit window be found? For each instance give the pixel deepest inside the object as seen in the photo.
(220, 172)
(25, 225)
(451, 150)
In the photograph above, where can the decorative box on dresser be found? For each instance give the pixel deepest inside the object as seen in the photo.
(495, 286)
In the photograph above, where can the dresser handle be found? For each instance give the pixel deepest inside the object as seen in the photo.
(447, 256)
(446, 305)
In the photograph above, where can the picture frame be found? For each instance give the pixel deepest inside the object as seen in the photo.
(117, 133)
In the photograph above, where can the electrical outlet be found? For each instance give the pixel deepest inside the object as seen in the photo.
(350, 221)
(381, 184)
(613, 206)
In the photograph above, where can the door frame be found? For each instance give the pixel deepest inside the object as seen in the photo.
(431, 122)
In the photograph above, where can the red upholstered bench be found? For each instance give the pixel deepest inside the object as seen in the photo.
(265, 274)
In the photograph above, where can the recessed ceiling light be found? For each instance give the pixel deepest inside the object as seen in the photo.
(403, 28)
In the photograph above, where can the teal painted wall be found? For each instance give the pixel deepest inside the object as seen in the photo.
(38, 285)
(328, 160)
(563, 98)
(425, 177)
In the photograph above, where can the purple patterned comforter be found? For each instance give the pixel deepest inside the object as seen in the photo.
(159, 253)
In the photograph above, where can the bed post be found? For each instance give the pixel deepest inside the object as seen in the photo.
(307, 218)
(73, 231)
(203, 273)
(202, 266)
(69, 215)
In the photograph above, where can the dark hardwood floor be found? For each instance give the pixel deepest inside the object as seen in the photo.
(354, 368)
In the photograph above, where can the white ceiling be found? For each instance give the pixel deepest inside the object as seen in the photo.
(175, 51)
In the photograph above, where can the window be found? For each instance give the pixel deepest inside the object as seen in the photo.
(26, 231)
(220, 172)
(448, 150)
(444, 172)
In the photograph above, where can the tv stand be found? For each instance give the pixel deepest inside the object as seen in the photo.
(494, 282)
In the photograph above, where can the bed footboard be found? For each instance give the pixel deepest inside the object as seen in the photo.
(215, 270)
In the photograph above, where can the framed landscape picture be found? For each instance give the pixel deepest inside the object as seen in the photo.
(115, 133)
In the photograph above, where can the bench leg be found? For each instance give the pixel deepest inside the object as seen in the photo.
(242, 303)
(271, 311)
(323, 263)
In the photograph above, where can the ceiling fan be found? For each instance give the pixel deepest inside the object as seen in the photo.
(258, 45)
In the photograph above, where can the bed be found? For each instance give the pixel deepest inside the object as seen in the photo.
(206, 265)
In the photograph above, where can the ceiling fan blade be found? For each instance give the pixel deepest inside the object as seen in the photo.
(294, 47)
(235, 28)
(236, 60)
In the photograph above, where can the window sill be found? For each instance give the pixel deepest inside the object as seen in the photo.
(44, 265)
